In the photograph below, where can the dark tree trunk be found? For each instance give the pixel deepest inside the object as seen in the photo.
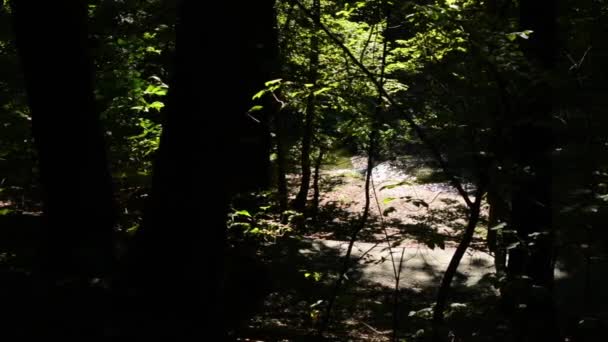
(532, 143)
(307, 137)
(281, 161)
(79, 208)
(210, 149)
(531, 201)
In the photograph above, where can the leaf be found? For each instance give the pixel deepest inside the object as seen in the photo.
(259, 94)
(317, 303)
(5, 211)
(155, 90)
(322, 90)
(513, 245)
(388, 211)
(264, 208)
(521, 34)
(391, 186)
(499, 226)
(419, 202)
(388, 200)
(156, 105)
(148, 35)
(153, 50)
(132, 230)
(243, 213)
(273, 82)
(255, 108)
(255, 230)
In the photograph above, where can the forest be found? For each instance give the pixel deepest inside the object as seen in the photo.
(304, 170)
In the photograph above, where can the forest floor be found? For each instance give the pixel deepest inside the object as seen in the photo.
(414, 226)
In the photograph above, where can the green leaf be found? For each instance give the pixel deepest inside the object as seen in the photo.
(155, 90)
(156, 105)
(243, 213)
(5, 211)
(256, 108)
(259, 94)
(273, 82)
(388, 200)
(391, 186)
(322, 90)
(148, 35)
(153, 50)
(255, 230)
(133, 229)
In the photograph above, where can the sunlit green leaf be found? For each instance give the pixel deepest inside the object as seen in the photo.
(256, 108)
(259, 94)
(243, 213)
(388, 200)
(156, 105)
(391, 186)
(273, 82)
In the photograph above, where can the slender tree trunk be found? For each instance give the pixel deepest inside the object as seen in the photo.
(315, 186)
(78, 202)
(326, 318)
(301, 197)
(281, 160)
(444, 289)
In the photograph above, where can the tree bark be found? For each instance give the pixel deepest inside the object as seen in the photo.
(281, 160)
(315, 186)
(210, 149)
(79, 207)
(531, 201)
(302, 196)
(444, 289)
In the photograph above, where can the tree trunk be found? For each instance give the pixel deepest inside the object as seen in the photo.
(301, 197)
(78, 202)
(281, 160)
(444, 289)
(314, 211)
(210, 149)
(531, 201)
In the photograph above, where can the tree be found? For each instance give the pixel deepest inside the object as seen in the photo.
(184, 228)
(78, 203)
(307, 137)
(532, 208)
